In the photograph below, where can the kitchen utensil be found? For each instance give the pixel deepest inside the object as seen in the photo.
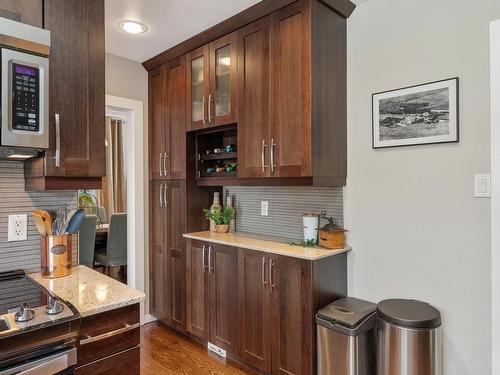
(75, 222)
(61, 222)
(47, 220)
(40, 225)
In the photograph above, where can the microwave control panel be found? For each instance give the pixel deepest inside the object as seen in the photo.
(25, 98)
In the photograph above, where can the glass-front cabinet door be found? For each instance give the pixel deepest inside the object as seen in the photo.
(197, 92)
(222, 98)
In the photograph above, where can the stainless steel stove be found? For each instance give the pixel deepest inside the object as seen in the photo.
(38, 332)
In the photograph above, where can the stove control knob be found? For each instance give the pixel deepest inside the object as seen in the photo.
(24, 313)
(54, 307)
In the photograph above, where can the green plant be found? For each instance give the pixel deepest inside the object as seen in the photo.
(308, 243)
(88, 201)
(220, 216)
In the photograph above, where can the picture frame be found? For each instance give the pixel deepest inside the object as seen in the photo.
(422, 114)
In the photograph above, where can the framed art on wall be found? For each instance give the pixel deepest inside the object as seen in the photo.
(416, 115)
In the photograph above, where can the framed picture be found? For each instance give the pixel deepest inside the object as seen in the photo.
(416, 115)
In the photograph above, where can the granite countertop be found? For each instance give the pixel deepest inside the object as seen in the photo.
(265, 244)
(89, 291)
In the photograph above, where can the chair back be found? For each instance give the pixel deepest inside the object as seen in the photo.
(116, 253)
(101, 212)
(86, 240)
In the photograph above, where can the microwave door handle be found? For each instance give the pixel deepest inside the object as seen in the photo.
(58, 141)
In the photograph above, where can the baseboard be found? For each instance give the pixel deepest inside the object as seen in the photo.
(148, 318)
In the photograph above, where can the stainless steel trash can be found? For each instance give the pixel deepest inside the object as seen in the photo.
(347, 338)
(409, 338)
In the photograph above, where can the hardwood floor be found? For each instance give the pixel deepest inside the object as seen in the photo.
(165, 352)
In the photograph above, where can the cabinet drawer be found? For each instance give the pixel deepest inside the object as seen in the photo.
(125, 362)
(108, 333)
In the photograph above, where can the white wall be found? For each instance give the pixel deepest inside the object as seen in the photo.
(128, 79)
(415, 226)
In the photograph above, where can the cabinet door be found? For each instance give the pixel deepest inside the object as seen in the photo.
(197, 289)
(175, 158)
(290, 143)
(253, 96)
(176, 272)
(157, 127)
(222, 98)
(223, 296)
(158, 250)
(76, 88)
(293, 320)
(197, 86)
(254, 309)
(25, 11)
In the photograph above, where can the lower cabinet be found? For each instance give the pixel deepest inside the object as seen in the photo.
(212, 293)
(109, 343)
(260, 307)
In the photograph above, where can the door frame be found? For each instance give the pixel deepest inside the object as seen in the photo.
(132, 111)
(495, 193)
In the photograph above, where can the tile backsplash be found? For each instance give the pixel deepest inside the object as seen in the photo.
(286, 207)
(15, 200)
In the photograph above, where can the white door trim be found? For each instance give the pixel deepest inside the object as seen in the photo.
(495, 193)
(133, 111)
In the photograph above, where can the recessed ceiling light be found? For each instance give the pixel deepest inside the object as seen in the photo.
(132, 27)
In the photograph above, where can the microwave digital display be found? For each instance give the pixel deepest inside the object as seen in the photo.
(25, 98)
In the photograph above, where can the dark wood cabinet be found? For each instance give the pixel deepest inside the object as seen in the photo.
(109, 341)
(254, 92)
(25, 11)
(211, 78)
(212, 293)
(254, 309)
(158, 224)
(167, 122)
(76, 154)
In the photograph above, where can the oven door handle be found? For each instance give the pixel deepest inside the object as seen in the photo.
(126, 328)
(45, 366)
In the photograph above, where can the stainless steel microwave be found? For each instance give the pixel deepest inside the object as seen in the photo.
(24, 56)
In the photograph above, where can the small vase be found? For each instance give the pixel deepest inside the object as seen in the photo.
(215, 206)
(221, 229)
(232, 224)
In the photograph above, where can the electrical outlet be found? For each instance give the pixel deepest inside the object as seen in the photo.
(18, 228)
(216, 350)
(264, 208)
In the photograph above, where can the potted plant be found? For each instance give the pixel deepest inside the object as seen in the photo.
(221, 217)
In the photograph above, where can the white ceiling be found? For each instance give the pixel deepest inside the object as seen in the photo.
(170, 22)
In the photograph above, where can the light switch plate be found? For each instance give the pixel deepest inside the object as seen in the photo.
(482, 186)
(18, 228)
(264, 208)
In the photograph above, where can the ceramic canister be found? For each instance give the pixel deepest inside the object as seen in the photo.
(311, 225)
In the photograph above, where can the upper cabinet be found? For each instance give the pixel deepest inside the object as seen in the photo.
(76, 155)
(211, 97)
(25, 11)
(167, 121)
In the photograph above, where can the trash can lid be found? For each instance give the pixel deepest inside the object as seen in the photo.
(347, 311)
(409, 313)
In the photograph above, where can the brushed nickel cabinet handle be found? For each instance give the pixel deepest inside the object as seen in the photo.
(58, 141)
(165, 169)
(203, 109)
(161, 164)
(204, 266)
(271, 264)
(210, 108)
(161, 195)
(126, 328)
(272, 155)
(263, 156)
(264, 282)
(209, 259)
(166, 201)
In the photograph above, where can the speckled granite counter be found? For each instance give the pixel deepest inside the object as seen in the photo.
(89, 291)
(265, 244)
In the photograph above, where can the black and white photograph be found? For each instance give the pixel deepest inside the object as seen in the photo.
(416, 115)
